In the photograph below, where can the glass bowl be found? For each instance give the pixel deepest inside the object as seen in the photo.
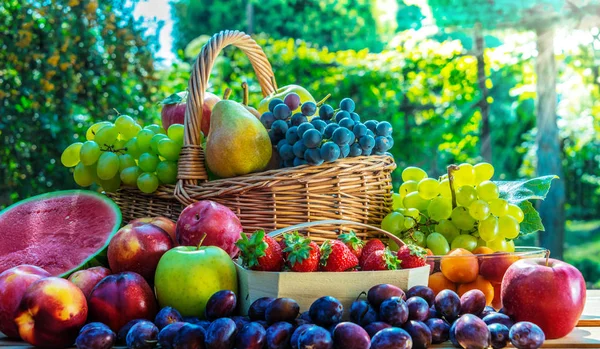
(462, 273)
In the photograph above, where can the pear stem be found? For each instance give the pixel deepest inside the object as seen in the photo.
(323, 100)
(227, 93)
(246, 92)
(202, 240)
(274, 83)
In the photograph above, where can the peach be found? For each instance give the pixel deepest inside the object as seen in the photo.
(120, 298)
(88, 278)
(51, 313)
(13, 283)
(162, 222)
(138, 248)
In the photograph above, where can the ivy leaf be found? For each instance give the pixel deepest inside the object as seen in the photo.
(532, 222)
(516, 192)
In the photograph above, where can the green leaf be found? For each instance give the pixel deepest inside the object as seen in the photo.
(531, 222)
(175, 98)
(516, 192)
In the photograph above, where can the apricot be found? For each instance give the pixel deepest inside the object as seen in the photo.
(481, 284)
(460, 266)
(483, 250)
(438, 282)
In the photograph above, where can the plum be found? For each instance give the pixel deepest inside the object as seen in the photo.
(433, 314)
(315, 337)
(498, 318)
(472, 302)
(499, 335)
(375, 327)
(282, 309)
(221, 304)
(221, 334)
(447, 304)
(240, 321)
(189, 336)
(379, 293)
(326, 311)
(297, 332)
(96, 337)
(487, 311)
(258, 307)
(251, 336)
(278, 335)
(349, 335)
(167, 334)
(122, 334)
(167, 315)
(452, 335)
(418, 308)
(93, 325)
(142, 335)
(394, 311)
(526, 335)
(362, 313)
(472, 333)
(391, 338)
(421, 291)
(194, 320)
(419, 332)
(439, 330)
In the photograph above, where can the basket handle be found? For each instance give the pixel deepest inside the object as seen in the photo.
(391, 236)
(191, 160)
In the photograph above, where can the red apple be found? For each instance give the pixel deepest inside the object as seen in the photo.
(51, 313)
(138, 248)
(87, 279)
(162, 222)
(13, 283)
(551, 295)
(213, 222)
(120, 298)
(173, 111)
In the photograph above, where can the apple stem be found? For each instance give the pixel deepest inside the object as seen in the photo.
(246, 92)
(202, 240)
(451, 169)
(323, 100)
(547, 257)
(274, 83)
(227, 93)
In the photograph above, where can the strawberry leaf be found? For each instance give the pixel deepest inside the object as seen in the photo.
(391, 261)
(253, 248)
(299, 251)
(351, 240)
(325, 252)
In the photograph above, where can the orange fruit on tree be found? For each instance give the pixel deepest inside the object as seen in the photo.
(481, 284)
(438, 282)
(460, 266)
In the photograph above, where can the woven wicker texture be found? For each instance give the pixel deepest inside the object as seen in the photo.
(356, 189)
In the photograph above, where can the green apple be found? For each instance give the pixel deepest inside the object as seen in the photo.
(281, 92)
(186, 277)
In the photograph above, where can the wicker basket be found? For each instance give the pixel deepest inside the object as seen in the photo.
(356, 189)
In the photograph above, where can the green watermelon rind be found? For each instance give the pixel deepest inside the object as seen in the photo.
(99, 258)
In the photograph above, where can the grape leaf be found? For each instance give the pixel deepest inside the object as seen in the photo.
(516, 192)
(175, 98)
(532, 221)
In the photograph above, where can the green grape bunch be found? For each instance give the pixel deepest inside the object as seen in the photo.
(124, 153)
(461, 209)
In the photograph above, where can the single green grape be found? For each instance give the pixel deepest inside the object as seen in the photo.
(508, 227)
(167, 172)
(133, 149)
(70, 156)
(479, 210)
(488, 228)
(131, 132)
(407, 188)
(90, 134)
(481, 242)
(510, 246)
(428, 188)
(120, 144)
(147, 182)
(419, 238)
(156, 129)
(439, 208)
(84, 175)
(411, 212)
(130, 175)
(413, 174)
(414, 200)
(125, 161)
(465, 175)
(106, 136)
(515, 212)
(148, 162)
(176, 133)
(89, 153)
(499, 207)
(108, 166)
(438, 244)
(445, 188)
(123, 123)
(409, 222)
(396, 201)
(465, 195)
(466, 241)
(498, 244)
(393, 223)
(112, 184)
(154, 142)
(447, 229)
(143, 140)
(169, 149)
(462, 219)
(487, 191)
(483, 172)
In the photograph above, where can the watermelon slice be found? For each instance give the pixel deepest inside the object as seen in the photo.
(61, 232)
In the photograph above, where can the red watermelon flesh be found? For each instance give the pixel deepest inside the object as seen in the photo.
(60, 232)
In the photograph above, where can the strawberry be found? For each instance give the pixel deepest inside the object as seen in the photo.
(303, 255)
(354, 243)
(260, 252)
(412, 256)
(381, 260)
(336, 256)
(370, 247)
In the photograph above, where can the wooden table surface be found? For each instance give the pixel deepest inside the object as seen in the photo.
(585, 335)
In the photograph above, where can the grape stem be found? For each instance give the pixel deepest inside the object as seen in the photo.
(116, 111)
(451, 170)
(320, 103)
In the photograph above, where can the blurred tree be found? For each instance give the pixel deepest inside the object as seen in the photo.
(65, 64)
(342, 24)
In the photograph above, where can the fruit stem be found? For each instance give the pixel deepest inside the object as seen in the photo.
(245, 94)
(451, 169)
(116, 111)
(323, 100)
(227, 93)
(547, 257)
(202, 240)
(363, 293)
(274, 83)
